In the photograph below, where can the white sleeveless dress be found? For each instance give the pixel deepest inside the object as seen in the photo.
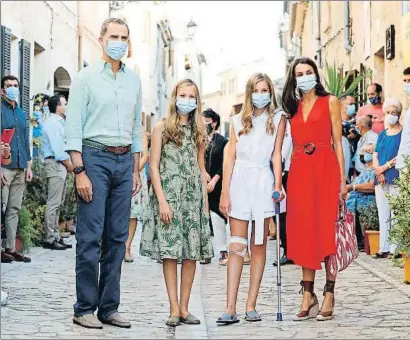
(252, 182)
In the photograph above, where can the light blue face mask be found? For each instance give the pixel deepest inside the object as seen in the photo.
(368, 157)
(185, 105)
(116, 49)
(306, 83)
(357, 130)
(351, 110)
(260, 100)
(407, 88)
(12, 93)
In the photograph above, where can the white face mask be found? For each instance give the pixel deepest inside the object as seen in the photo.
(392, 120)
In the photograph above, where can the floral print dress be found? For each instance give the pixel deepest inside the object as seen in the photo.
(138, 202)
(188, 236)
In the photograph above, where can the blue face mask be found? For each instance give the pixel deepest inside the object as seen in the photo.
(357, 130)
(185, 105)
(12, 93)
(368, 157)
(260, 100)
(306, 83)
(407, 88)
(375, 100)
(351, 110)
(116, 49)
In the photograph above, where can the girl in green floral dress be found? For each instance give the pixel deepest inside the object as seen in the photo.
(176, 225)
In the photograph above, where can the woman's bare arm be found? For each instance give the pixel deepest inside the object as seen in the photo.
(229, 160)
(336, 120)
(156, 148)
(277, 154)
(144, 154)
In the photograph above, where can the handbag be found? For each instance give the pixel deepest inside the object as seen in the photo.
(346, 243)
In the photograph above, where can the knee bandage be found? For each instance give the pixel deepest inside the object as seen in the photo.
(238, 246)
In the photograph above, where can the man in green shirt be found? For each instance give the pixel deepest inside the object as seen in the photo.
(103, 137)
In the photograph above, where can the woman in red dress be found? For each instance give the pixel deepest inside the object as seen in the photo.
(316, 177)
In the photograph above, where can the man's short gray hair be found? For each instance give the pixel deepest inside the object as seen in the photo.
(392, 102)
(365, 121)
(115, 21)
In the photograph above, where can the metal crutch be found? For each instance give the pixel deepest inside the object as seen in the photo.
(276, 196)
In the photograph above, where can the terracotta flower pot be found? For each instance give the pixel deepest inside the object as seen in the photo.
(19, 244)
(374, 240)
(406, 269)
(62, 226)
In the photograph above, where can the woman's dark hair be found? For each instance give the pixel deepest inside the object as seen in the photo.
(406, 72)
(289, 99)
(209, 113)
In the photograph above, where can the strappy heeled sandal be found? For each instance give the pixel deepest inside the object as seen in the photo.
(311, 312)
(324, 316)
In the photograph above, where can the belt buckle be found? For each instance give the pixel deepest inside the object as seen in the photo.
(118, 150)
(309, 148)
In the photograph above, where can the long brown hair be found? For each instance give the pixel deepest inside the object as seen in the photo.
(173, 132)
(290, 100)
(247, 108)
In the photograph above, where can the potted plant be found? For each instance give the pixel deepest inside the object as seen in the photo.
(369, 220)
(70, 203)
(400, 231)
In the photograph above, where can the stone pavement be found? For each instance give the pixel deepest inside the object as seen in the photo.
(370, 302)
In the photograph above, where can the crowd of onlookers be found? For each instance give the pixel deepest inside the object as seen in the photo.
(376, 140)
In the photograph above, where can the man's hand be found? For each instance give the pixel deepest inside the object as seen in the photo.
(84, 187)
(29, 174)
(380, 170)
(381, 179)
(136, 183)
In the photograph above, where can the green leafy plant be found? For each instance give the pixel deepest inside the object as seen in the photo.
(399, 233)
(369, 218)
(336, 83)
(26, 231)
(69, 208)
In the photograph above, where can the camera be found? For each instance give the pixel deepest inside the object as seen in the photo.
(349, 127)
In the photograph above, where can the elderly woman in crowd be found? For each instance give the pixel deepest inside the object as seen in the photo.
(384, 161)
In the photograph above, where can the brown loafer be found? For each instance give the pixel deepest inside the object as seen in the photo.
(116, 320)
(19, 257)
(87, 321)
(6, 258)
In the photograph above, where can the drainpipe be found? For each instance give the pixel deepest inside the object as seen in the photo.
(80, 35)
(348, 46)
(319, 47)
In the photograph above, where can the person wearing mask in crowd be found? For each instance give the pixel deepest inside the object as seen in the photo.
(366, 142)
(176, 226)
(5, 160)
(57, 165)
(16, 174)
(255, 141)
(348, 108)
(213, 164)
(139, 201)
(103, 137)
(316, 179)
(40, 114)
(361, 193)
(404, 149)
(384, 161)
(374, 108)
(286, 159)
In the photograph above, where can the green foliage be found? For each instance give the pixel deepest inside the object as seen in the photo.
(69, 209)
(336, 83)
(369, 218)
(26, 230)
(400, 208)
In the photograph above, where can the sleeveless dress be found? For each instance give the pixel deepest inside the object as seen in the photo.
(252, 181)
(188, 237)
(313, 188)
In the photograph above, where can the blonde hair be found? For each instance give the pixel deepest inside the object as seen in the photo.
(247, 108)
(173, 132)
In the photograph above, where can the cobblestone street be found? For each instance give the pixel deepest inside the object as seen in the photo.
(370, 302)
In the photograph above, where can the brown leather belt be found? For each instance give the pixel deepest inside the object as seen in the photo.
(118, 150)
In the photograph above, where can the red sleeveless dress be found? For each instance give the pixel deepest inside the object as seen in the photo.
(313, 188)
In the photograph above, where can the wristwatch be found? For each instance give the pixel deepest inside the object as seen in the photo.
(79, 169)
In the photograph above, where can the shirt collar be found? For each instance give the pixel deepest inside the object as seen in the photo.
(6, 102)
(105, 65)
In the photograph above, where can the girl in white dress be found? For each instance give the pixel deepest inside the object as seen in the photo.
(255, 140)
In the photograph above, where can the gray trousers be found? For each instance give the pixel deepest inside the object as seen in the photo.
(12, 198)
(56, 174)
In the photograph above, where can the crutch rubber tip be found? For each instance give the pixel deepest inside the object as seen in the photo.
(279, 317)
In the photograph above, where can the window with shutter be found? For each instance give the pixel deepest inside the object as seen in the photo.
(6, 51)
(25, 59)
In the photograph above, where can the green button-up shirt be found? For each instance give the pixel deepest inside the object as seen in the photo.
(104, 108)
